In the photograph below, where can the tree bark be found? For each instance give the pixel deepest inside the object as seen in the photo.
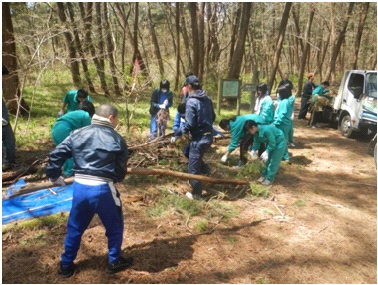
(72, 59)
(110, 50)
(237, 59)
(78, 45)
(360, 29)
(11, 84)
(201, 40)
(305, 50)
(86, 14)
(155, 41)
(178, 48)
(279, 43)
(336, 48)
(195, 37)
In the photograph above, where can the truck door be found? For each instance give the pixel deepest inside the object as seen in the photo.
(355, 88)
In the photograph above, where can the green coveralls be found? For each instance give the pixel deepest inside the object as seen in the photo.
(62, 128)
(237, 131)
(276, 146)
(266, 110)
(71, 100)
(283, 122)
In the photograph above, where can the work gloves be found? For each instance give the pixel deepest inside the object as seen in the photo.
(253, 154)
(164, 105)
(58, 182)
(264, 157)
(224, 158)
(173, 139)
(5, 122)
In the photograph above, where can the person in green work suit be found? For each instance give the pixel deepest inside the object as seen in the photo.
(282, 115)
(276, 146)
(239, 136)
(72, 100)
(65, 124)
(319, 99)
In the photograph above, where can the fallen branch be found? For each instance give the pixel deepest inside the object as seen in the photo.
(181, 175)
(29, 188)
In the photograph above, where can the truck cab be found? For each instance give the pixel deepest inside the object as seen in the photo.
(355, 106)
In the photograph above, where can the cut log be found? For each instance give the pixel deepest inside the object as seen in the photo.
(138, 171)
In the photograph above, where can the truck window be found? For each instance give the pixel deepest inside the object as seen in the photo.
(356, 84)
(371, 86)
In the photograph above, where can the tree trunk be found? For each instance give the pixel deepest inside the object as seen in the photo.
(305, 50)
(100, 36)
(75, 72)
(360, 29)
(178, 49)
(234, 28)
(110, 50)
(11, 86)
(336, 48)
(84, 61)
(279, 43)
(86, 14)
(155, 41)
(237, 59)
(184, 32)
(195, 37)
(201, 40)
(137, 55)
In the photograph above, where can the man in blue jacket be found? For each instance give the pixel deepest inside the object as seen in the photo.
(100, 157)
(199, 118)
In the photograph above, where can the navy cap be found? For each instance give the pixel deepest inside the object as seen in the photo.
(192, 79)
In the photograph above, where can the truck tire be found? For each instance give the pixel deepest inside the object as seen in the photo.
(346, 127)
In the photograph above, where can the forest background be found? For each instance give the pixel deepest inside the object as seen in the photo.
(96, 45)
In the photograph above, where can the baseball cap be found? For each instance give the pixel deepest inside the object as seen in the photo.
(192, 79)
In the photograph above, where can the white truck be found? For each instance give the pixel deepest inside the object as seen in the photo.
(355, 107)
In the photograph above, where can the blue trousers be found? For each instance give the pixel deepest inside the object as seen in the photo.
(102, 200)
(195, 151)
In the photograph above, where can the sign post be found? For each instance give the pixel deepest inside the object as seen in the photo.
(229, 88)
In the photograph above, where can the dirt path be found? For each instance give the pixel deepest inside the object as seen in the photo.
(317, 226)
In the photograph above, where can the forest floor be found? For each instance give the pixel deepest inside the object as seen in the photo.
(318, 225)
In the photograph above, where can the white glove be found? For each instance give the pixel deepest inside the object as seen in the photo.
(292, 117)
(173, 139)
(60, 113)
(224, 158)
(253, 154)
(5, 122)
(165, 102)
(58, 182)
(182, 120)
(162, 106)
(264, 156)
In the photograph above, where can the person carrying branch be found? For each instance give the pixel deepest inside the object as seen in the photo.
(199, 118)
(239, 136)
(318, 100)
(161, 98)
(100, 157)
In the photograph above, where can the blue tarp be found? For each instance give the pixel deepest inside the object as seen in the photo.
(40, 203)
